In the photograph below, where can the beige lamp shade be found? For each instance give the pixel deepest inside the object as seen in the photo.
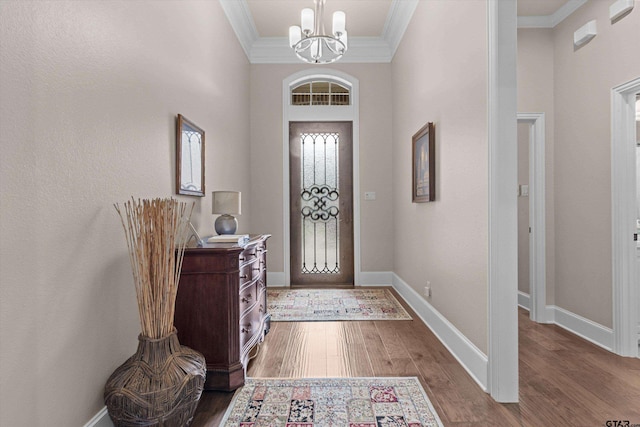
(226, 202)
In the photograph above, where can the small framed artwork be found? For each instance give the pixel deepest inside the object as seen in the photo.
(189, 158)
(424, 164)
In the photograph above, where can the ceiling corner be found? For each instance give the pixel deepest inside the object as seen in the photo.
(397, 22)
(241, 21)
(567, 9)
(550, 21)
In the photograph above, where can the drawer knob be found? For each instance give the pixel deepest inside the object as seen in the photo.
(241, 258)
(246, 299)
(261, 309)
(244, 276)
(246, 329)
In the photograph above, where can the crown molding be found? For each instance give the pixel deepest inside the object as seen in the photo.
(567, 9)
(397, 22)
(368, 49)
(239, 16)
(550, 21)
(276, 50)
(534, 21)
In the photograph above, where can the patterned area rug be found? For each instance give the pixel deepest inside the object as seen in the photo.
(331, 402)
(310, 305)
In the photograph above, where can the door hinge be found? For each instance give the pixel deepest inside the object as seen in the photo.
(635, 237)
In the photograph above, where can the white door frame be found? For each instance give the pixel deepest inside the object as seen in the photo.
(537, 212)
(502, 369)
(297, 113)
(623, 219)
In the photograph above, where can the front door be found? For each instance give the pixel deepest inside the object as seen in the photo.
(321, 204)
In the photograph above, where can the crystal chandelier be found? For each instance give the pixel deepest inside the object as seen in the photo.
(310, 42)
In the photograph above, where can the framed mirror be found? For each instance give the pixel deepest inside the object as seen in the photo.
(189, 158)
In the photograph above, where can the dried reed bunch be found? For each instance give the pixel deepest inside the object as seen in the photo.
(156, 232)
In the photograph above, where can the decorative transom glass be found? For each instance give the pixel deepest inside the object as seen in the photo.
(320, 93)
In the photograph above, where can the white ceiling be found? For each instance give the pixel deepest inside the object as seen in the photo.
(274, 17)
(375, 26)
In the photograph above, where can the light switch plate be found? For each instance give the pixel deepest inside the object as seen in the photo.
(369, 195)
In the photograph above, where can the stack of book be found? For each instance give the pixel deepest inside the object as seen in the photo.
(240, 239)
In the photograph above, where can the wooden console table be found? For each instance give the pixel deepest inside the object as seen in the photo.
(221, 307)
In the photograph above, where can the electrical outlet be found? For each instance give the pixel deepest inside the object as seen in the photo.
(427, 290)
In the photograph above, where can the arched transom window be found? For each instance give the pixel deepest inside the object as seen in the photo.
(320, 93)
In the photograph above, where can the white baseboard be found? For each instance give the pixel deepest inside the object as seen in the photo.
(578, 325)
(275, 279)
(524, 300)
(583, 327)
(465, 352)
(101, 419)
(376, 278)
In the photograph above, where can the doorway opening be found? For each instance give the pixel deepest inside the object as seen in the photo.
(321, 204)
(533, 192)
(320, 95)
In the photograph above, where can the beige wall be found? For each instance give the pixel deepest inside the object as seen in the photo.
(535, 95)
(439, 74)
(89, 92)
(573, 87)
(375, 159)
(583, 79)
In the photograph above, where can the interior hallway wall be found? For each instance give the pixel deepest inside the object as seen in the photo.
(583, 79)
(89, 93)
(439, 74)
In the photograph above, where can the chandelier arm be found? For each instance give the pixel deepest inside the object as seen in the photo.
(335, 47)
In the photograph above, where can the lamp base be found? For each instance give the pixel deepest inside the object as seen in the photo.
(226, 224)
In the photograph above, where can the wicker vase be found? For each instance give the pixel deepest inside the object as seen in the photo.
(159, 385)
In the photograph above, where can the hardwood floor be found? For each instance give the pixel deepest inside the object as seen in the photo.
(564, 380)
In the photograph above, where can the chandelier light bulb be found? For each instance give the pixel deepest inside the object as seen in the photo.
(306, 18)
(339, 22)
(295, 35)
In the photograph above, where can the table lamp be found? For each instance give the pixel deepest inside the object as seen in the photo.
(226, 204)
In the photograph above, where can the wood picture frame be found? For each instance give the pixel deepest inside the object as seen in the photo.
(423, 162)
(189, 158)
